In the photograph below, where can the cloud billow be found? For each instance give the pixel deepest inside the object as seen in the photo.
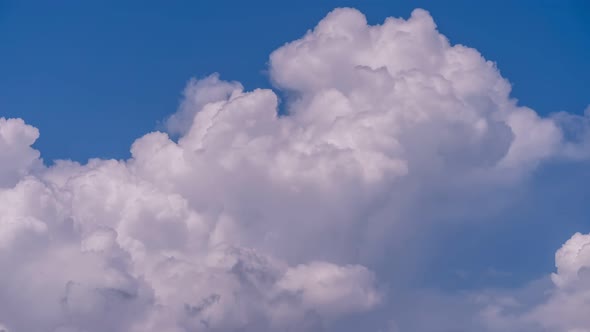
(252, 221)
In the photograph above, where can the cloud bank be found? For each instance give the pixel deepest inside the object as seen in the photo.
(252, 221)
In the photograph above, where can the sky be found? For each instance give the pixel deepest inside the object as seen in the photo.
(311, 166)
(72, 68)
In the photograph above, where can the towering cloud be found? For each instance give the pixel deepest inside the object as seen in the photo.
(252, 221)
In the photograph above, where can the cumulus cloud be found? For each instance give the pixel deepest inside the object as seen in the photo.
(253, 221)
(558, 302)
(559, 305)
(17, 158)
(568, 305)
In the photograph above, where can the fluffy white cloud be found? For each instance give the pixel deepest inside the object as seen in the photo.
(199, 93)
(568, 303)
(558, 303)
(566, 309)
(253, 221)
(17, 158)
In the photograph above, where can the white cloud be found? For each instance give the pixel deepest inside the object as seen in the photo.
(197, 94)
(325, 287)
(558, 303)
(567, 306)
(256, 222)
(17, 158)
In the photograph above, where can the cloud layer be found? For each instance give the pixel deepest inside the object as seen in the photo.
(252, 221)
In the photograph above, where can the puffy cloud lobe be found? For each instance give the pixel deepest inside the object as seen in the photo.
(413, 90)
(326, 287)
(199, 93)
(567, 307)
(255, 222)
(572, 261)
(17, 158)
(140, 257)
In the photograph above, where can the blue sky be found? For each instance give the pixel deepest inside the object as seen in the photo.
(94, 76)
